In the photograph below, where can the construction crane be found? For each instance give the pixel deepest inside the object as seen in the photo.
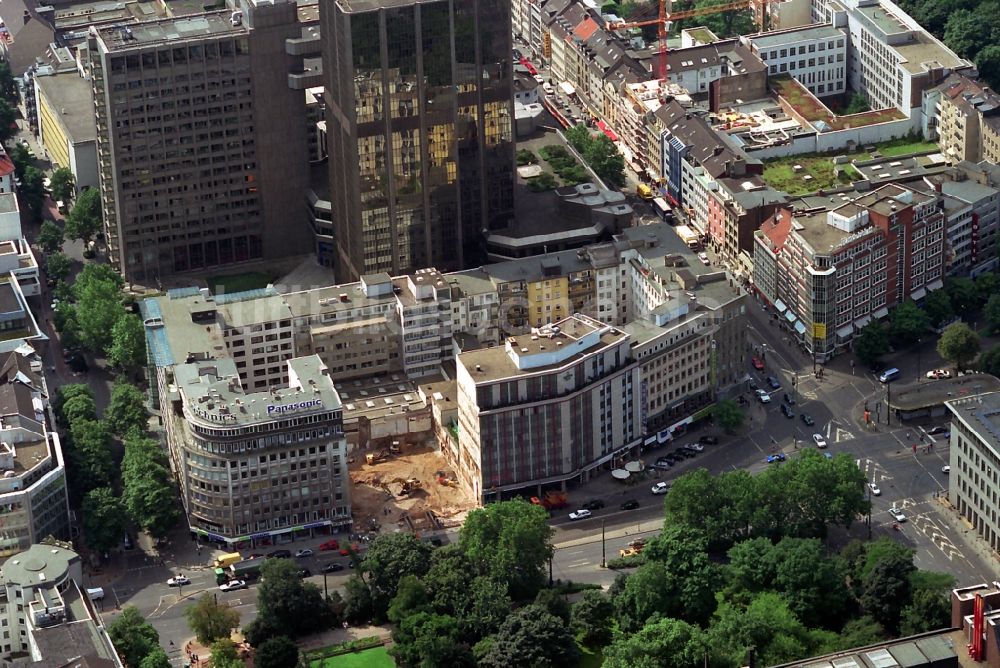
(665, 16)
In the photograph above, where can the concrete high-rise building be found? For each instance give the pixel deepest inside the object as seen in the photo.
(201, 139)
(419, 122)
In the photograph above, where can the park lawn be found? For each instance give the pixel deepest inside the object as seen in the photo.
(376, 657)
(251, 280)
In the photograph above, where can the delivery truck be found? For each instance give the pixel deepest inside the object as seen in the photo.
(688, 236)
(227, 560)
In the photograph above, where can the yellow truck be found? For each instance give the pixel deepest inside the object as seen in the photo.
(633, 548)
(227, 560)
(644, 191)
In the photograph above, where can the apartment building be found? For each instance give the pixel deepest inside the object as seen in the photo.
(973, 246)
(421, 148)
(49, 619)
(33, 486)
(721, 71)
(201, 140)
(829, 265)
(257, 466)
(891, 59)
(974, 457)
(815, 55)
(968, 119)
(66, 125)
(736, 209)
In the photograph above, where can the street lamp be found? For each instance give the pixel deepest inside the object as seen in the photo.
(604, 562)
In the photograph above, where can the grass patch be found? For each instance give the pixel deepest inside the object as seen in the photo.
(542, 182)
(780, 174)
(905, 146)
(703, 35)
(376, 657)
(590, 658)
(564, 164)
(810, 108)
(251, 280)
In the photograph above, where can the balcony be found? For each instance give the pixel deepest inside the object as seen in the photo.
(306, 79)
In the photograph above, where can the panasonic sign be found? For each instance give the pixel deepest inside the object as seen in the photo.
(287, 408)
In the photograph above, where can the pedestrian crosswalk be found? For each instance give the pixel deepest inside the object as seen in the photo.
(874, 472)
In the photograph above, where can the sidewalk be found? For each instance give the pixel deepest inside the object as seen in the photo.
(969, 538)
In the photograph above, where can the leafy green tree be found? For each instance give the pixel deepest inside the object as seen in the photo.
(721, 507)
(887, 590)
(80, 407)
(938, 307)
(988, 64)
(8, 121)
(728, 414)
(224, 654)
(606, 161)
(84, 220)
(665, 642)
(927, 611)
(591, 618)
(578, 137)
(22, 160)
(390, 557)
(133, 637)
(691, 580)
(209, 620)
(752, 566)
(157, 658)
(59, 266)
(648, 592)
(277, 652)
(861, 632)
(430, 640)
(909, 323)
(128, 343)
(32, 188)
(991, 312)
(66, 392)
(99, 307)
(857, 105)
(511, 542)
(963, 294)
(965, 32)
(765, 624)
(50, 238)
(8, 88)
(987, 284)
(871, 343)
(104, 519)
(293, 607)
(530, 636)
(958, 345)
(555, 603)
(61, 183)
(126, 409)
(812, 492)
(935, 581)
(90, 455)
(411, 597)
(811, 583)
(357, 601)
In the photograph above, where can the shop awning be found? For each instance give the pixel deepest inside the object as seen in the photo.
(861, 322)
(567, 88)
(936, 284)
(789, 316)
(779, 306)
(881, 313)
(799, 327)
(917, 295)
(845, 331)
(607, 130)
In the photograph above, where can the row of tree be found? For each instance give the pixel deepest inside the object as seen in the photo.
(600, 153)
(91, 315)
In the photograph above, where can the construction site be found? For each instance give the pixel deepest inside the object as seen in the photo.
(409, 488)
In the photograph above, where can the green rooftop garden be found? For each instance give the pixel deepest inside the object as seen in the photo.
(810, 108)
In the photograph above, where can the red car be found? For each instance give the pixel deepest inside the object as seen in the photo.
(757, 363)
(347, 551)
(329, 545)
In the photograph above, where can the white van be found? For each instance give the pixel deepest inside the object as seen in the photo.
(96, 594)
(889, 375)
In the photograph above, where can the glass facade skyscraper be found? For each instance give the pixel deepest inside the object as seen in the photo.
(419, 121)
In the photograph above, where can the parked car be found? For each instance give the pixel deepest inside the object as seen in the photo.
(789, 399)
(937, 374)
(593, 504)
(329, 545)
(660, 488)
(753, 383)
(300, 554)
(946, 469)
(780, 457)
(233, 585)
(631, 504)
(876, 490)
(704, 258)
(933, 431)
(808, 419)
(763, 397)
(772, 381)
(279, 554)
(695, 447)
(897, 514)
(662, 465)
(757, 362)
(819, 440)
(786, 410)
(581, 514)
(304, 572)
(178, 581)
(709, 440)
(333, 567)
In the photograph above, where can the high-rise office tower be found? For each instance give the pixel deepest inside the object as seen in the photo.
(202, 145)
(419, 118)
